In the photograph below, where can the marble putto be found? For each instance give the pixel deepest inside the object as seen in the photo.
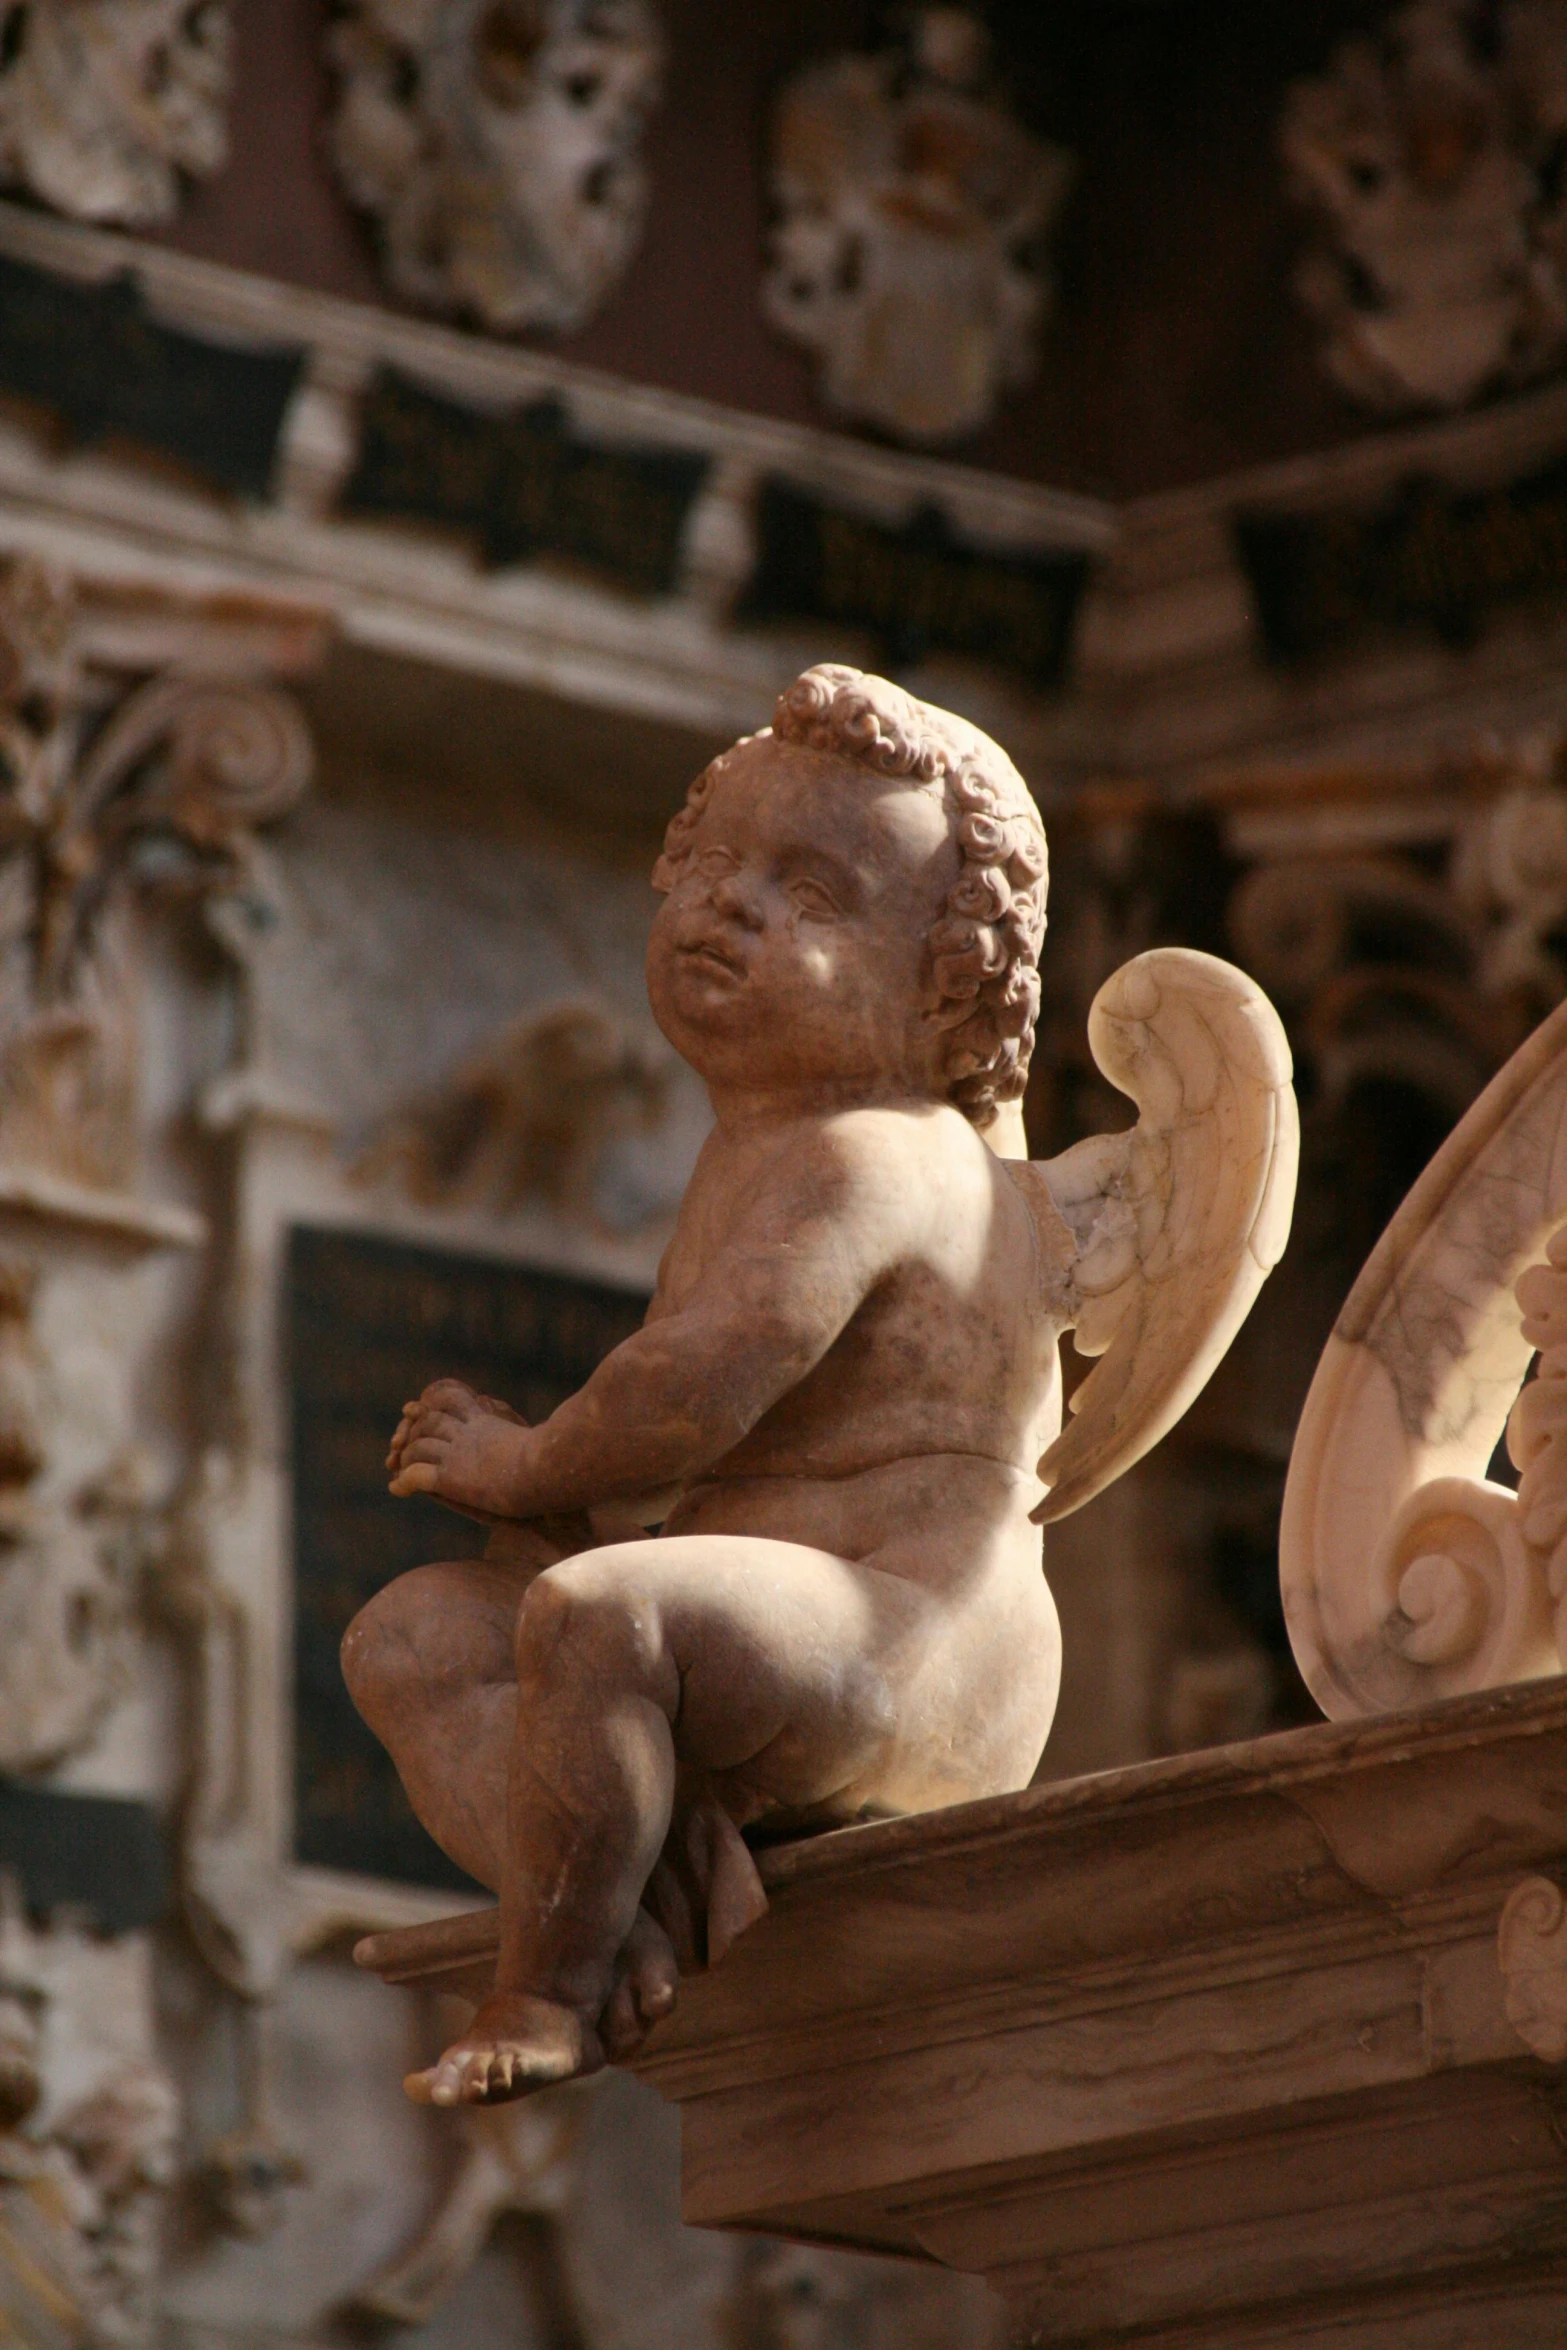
(843, 1413)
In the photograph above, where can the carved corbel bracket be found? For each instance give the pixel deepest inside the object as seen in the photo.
(1531, 1949)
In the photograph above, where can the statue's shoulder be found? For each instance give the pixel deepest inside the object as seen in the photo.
(1053, 1235)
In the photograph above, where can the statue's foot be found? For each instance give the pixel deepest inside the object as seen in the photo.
(515, 2044)
(647, 1984)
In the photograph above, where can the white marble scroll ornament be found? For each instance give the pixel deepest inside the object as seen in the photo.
(1407, 1574)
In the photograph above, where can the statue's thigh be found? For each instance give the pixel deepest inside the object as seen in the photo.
(783, 1653)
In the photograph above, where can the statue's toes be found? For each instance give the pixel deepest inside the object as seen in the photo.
(621, 2027)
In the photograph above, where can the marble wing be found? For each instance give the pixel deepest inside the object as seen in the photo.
(1177, 1222)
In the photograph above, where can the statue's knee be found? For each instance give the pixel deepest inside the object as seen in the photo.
(589, 1617)
(379, 1665)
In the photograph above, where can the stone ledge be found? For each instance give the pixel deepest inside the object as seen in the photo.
(110, 1215)
(1179, 2053)
(1210, 2051)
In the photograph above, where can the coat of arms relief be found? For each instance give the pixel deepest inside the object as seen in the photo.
(912, 210)
(106, 105)
(497, 145)
(1431, 155)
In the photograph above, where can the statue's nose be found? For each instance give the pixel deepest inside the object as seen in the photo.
(734, 897)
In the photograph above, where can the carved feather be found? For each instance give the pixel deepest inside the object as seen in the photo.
(1177, 1222)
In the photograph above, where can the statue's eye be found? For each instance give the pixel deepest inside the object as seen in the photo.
(813, 898)
(713, 864)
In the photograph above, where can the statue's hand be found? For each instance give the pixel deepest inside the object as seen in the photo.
(459, 1446)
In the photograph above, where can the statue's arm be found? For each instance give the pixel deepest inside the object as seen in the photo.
(820, 1230)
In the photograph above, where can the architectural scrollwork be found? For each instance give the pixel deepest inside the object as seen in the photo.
(498, 145)
(1408, 1574)
(102, 794)
(106, 104)
(1406, 975)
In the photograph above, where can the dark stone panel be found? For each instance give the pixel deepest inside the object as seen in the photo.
(371, 1322)
(105, 1855)
(107, 371)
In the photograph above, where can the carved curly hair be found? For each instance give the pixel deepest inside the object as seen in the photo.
(982, 981)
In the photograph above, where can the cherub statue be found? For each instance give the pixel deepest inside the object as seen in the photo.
(836, 1409)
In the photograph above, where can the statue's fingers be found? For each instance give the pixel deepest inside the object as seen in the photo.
(429, 1444)
(421, 1478)
(448, 1395)
(432, 1427)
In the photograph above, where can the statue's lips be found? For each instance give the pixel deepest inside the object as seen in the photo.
(706, 955)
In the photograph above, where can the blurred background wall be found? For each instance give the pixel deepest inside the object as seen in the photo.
(429, 429)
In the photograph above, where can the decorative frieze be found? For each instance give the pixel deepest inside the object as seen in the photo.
(1433, 559)
(497, 144)
(105, 369)
(916, 587)
(524, 484)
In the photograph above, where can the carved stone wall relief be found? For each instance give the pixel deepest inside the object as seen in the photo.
(911, 211)
(532, 1113)
(498, 145)
(104, 104)
(1429, 158)
(103, 792)
(81, 2196)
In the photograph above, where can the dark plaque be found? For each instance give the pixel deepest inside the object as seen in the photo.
(524, 484)
(105, 1855)
(93, 356)
(370, 1323)
(915, 589)
(1434, 559)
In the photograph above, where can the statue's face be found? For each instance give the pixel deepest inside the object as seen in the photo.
(790, 951)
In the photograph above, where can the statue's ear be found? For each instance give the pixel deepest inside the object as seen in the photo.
(1178, 1222)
